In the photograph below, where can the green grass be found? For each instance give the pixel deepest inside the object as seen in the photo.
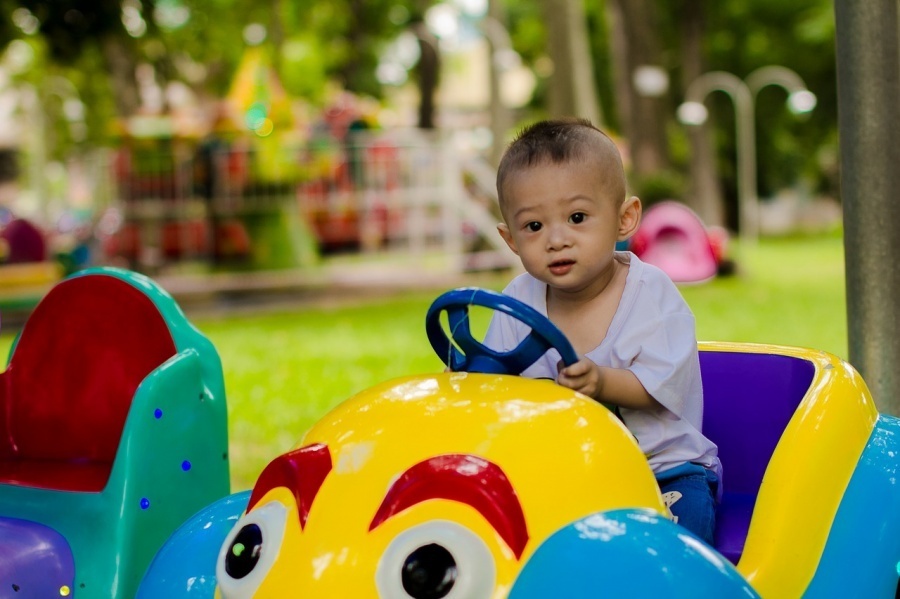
(283, 371)
(789, 291)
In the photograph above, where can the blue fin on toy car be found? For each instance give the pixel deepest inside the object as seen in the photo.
(186, 564)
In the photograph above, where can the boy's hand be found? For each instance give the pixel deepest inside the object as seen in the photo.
(610, 386)
(583, 376)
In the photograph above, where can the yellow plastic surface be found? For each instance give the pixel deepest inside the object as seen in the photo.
(566, 457)
(807, 475)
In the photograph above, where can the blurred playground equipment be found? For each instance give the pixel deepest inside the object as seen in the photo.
(268, 206)
(202, 192)
(261, 184)
(672, 237)
(113, 411)
(27, 268)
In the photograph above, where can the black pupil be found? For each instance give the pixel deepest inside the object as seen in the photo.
(244, 551)
(429, 572)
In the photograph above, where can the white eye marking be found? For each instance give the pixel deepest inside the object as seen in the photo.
(250, 549)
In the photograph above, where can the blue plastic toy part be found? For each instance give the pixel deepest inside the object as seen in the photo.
(628, 553)
(35, 560)
(861, 554)
(186, 565)
(475, 356)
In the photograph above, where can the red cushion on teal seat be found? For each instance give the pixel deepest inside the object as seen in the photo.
(68, 387)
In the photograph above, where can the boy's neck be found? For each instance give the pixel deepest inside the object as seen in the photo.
(584, 316)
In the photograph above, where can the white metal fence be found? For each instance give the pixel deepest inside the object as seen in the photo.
(398, 192)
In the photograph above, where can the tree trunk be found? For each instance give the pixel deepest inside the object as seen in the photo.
(427, 69)
(619, 53)
(705, 193)
(500, 114)
(645, 125)
(572, 91)
(121, 64)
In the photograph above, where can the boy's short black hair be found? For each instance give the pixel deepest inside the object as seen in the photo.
(555, 141)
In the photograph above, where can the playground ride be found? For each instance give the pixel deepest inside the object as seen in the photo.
(112, 408)
(672, 237)
(27, 271)
(479, 484)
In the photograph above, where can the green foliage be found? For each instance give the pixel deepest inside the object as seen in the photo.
(201, 42)
(69, 26)
(8, 30)
(800, 35)
(739, 38)
(317, 43)
(658, 186)
(305, 67)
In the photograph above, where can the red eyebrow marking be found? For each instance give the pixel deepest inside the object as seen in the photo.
(302, 471)
(467, 479)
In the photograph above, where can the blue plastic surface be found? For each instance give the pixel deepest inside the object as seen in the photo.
(35, 560)
(628, 553)
(186, 565)
(860, 556)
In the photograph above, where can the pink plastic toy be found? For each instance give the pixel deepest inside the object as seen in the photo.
(673, 237)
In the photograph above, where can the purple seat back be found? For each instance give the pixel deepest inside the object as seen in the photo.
(748, 399)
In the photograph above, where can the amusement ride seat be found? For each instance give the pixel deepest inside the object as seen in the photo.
(114, 430)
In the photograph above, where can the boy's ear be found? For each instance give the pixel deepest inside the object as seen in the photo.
(629, 217)
(503, 229)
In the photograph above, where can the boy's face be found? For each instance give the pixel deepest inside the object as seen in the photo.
(563, 220)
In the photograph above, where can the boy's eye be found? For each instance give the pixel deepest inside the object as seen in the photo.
(533, 226)
(577, 218)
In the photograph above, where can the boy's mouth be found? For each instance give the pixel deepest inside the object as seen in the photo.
(561, 267)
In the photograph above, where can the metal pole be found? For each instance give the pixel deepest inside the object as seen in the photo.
(745, 132)
(774, 75)
(869, 126)
(748, 203)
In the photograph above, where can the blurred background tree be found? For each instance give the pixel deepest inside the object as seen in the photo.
(624, 63)
(646, 52)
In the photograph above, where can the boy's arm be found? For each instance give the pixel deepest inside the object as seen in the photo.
(608, 385)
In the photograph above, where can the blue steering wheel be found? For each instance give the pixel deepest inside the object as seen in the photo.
(475, 356)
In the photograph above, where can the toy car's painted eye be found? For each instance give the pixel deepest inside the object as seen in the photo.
(436, 560)
(429, 572)
(250, 550)
(243, 553)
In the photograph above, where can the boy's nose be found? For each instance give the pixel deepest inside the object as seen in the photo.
(557, 237)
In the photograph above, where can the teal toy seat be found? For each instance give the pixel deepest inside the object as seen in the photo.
(114, 427)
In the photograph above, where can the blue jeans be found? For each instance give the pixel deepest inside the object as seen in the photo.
(690, 492)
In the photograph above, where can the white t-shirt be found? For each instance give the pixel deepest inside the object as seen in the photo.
(653, 335)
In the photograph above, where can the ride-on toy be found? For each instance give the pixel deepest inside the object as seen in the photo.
(479, 484)
(112, 409)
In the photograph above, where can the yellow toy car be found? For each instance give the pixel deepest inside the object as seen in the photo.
(479, 484)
